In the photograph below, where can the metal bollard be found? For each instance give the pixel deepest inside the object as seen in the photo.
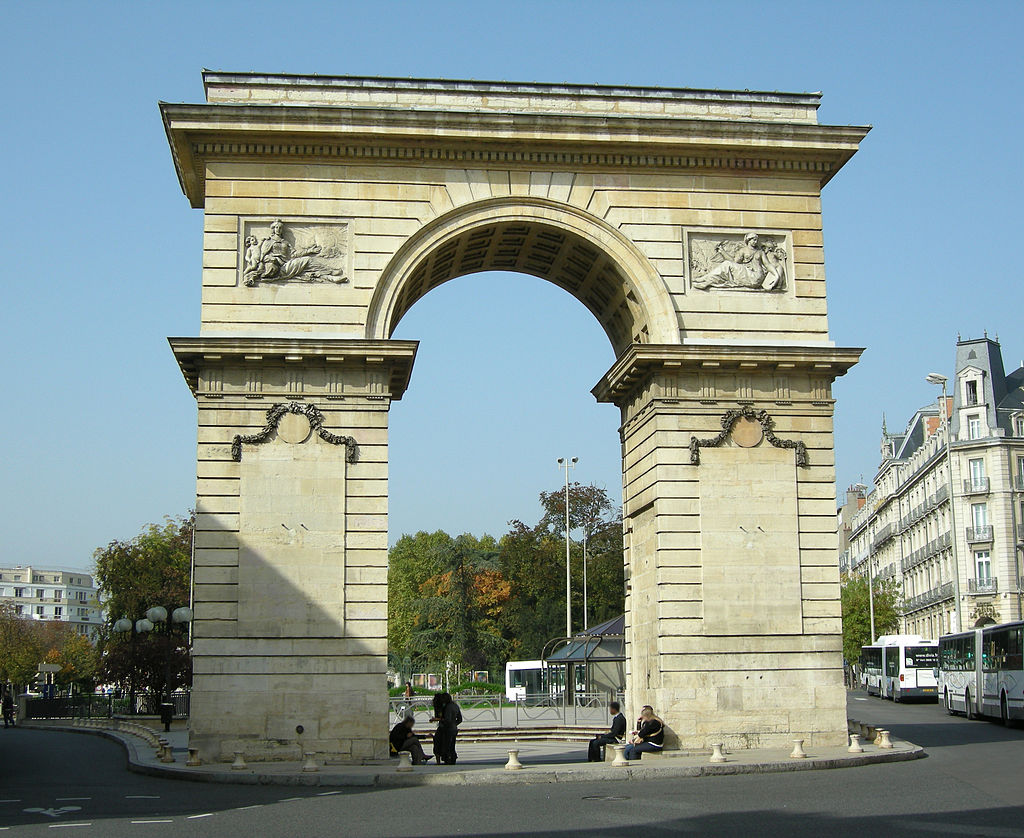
(798, 750)
(716, 753)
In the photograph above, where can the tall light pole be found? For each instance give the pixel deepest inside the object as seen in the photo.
(871, 584)
(937, 378)
(567, 464)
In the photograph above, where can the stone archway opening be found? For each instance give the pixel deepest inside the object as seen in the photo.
(541, 250)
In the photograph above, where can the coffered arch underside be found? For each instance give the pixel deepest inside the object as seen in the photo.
(559, 243)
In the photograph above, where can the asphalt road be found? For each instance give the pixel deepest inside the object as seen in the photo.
(969, 785)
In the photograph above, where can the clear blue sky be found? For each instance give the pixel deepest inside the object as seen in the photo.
(103, 252)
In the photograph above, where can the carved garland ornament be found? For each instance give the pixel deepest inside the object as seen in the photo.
(316, 423)
(759, 416)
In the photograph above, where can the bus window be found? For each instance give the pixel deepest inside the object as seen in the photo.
(921, 657)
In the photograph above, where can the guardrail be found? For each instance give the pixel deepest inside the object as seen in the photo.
(982, 586)
(496, 711)
(103, 706)
(976, 486)
(979, 534)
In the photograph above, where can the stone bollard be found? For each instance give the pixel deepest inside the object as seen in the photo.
(166, 754)
(877, 740)
(239, 763)
(855, 747)
(884, 742)
(193, 758)
(513, 763)
(404, 761)
(309, 766)
(798, 750)
(620, 756)
(716, 753)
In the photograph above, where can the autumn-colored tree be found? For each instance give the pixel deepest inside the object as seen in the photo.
(856, 610)
(151, 569)
(25, 643)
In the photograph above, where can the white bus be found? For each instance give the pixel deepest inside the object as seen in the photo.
(981, 672)
(524, 678)
(901, 666)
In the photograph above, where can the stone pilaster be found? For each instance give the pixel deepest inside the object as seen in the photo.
(290, 568)
(733, 620)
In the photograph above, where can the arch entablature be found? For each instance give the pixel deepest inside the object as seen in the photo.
(558, 242)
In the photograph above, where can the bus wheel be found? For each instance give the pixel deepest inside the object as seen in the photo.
(1004, 713)
(968, 707)
(945, 700)
(895, 695)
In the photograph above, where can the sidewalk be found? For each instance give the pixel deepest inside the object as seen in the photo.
(483, 763)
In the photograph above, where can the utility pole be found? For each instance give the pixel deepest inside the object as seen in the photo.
(565, 463)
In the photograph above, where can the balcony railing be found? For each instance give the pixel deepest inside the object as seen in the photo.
(938, 496)
(883, 535)
(938, 594)
(976, 486)
(982, 586)
(976, 535)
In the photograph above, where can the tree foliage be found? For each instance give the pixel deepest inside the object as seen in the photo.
(856, 610)
(25, 643)
(151, 569)
(478, 602)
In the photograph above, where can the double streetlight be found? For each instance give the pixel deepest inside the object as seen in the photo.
(937, 378)
(155, 616)
(567, 464)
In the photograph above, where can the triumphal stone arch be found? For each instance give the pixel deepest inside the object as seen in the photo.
(687, 221)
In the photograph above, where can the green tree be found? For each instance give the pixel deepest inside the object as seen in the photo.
(856, 610)
(149, 570)
(25, 643)
(21, 647)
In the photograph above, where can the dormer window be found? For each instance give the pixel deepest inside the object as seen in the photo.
(974, 427)
(972, 393)
(1018, 425)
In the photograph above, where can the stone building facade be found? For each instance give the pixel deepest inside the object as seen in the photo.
(688, 222)
(53, 594)
(942, 545)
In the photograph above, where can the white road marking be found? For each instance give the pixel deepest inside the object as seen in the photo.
(204, 815)
(290, 799)
(53, 813)
(243, 808)
(72, 798)
(66, 825)
(164, 820)
(142, 797)
(11, 800)
(327, 793)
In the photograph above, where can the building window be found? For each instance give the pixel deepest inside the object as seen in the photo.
(983, 565)
(1018, 425)
(57, 594)
(39, 611)
(39, 593)
(972, 392)
(974, 427)
(979, 514)
(19, 592)
(19, 609)
(81, 596)
(58, 612)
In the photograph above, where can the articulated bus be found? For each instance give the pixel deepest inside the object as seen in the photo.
(981, 672)
(900, 666)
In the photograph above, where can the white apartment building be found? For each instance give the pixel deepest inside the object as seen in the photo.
(951, 538)
(49, 594)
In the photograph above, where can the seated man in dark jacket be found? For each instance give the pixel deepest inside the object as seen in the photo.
(649, 737)
(595, 751)
(403, 739)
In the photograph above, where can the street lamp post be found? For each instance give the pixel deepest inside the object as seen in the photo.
(566, 464)
(155, 616)
(937, 378)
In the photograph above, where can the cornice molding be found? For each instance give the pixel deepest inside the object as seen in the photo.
(193, 354)
(198, 133)
(640, 361)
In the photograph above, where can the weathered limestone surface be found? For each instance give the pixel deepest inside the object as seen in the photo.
(688, 222)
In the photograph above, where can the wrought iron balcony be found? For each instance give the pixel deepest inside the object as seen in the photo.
(976, 486)
(976, 535)
(982, 586)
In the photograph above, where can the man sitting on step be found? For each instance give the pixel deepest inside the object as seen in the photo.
(615, 735)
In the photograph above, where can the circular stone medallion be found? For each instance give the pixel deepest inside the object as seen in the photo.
(747, 433)
(293, 428)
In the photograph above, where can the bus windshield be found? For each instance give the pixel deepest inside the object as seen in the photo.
(921, 657)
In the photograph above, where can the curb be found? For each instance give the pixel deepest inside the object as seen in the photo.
(487, 776)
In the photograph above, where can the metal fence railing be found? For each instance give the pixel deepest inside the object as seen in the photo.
(489, 710)
(104, 706)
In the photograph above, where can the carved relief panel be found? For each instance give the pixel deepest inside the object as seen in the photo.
(277, 251)
(719, 259)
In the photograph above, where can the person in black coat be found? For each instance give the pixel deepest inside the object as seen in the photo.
(403, 739)
(650, 736)
(448, 717)
(615, 735)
